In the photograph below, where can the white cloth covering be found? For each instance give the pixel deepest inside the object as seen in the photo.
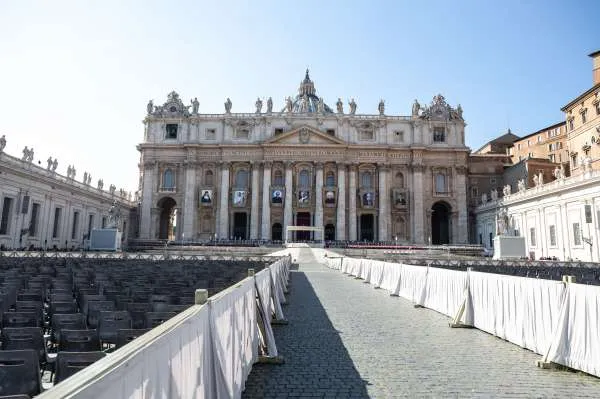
(263, 284)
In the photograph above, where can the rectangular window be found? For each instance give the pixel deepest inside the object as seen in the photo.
(552, 158)
(90, 225)
(242, 133)
(33, 222)
(6, 212)
(539, 139)
(211, 134)
(104, 222)
(171, 131)
(550, 147)
(440, 183)
(330, 132)
(576, 234)
(528, 143)
(584, 117)
(532, 236)
(56, 225)
(278, 131)
(571, 124)
(491, 240)
(552, 235)
(75, 225)
(597, 106)
(439, 135)
(519, 146)
(474, 193)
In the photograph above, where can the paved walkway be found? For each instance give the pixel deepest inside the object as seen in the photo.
(346, 339)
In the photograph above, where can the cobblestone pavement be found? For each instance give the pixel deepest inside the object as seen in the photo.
(346, 339)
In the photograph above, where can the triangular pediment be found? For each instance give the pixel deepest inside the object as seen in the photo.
(305, 135)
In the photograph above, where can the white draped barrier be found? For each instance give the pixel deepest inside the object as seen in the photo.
(206, 351)
(576, 342)
(551, 318)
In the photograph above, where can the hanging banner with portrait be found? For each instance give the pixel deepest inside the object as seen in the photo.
(206, 197)
(329, 197)
(277, 196)
(367, 199)
(239, 198)
(303, 198)
(399, 198)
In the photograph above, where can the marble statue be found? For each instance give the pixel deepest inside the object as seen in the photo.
(459, 111)
(352, 105)
(541, 178)
(2, 142)
(484, 198)
(269, 105)
(536, 181)
(100, 184)
(521, 185)
(494, 194)
(320, 106)
(228, 106)
(558, 172)
(114, 215)
(89, 179)
(73, 172)
(111, 189)
(195, 105)
(304, 104)
(415, 108)
(150, 107)
(587, 164)
(502, 222)
(340, 106)
(506, 190)
(562, 171)
(54, 165)
(288, 104)
(25, 154)
(258, 105)
(49, 160)
(85, 177)
(381, 107)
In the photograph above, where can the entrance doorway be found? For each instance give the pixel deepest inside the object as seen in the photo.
(329, 232)
(277, 232)
(440, 223)
(303, 219)
(166, 218)
(240, 225)
(367, 228)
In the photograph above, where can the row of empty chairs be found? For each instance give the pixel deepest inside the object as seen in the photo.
(60, 315)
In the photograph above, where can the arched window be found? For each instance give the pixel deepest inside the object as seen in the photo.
(241, 179)
(366, 180)
(208, 178)
(399, 180)
(168, 180)
(303, 179)
(330, 179)
(278, 178)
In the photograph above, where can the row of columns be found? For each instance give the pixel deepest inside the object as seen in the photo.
(264, 231)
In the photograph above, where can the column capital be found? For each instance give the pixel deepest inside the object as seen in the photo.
(353, 166)
(417, 167)
(461, 169)
(224, 164)
(383, 167)
(267, 164)
(288, 164)
(318, 165)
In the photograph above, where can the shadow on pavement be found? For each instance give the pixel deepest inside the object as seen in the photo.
(316, 362)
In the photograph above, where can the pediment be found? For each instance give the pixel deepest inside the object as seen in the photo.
(305, 135)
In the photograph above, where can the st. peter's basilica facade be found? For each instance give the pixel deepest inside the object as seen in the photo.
(351, 176)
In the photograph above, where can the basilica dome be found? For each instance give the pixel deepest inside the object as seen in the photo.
(307, 100)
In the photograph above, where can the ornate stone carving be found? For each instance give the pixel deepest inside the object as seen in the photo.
(100, 184)
(27, 155)
(2, 142)
(195, 105)
(506, 190)
(288, 105)
(54, 165)
(173, 107)
(340, 106)
(494, 194)
(521, 185)
(438, 110)
(304, 136)
(415, 109)
(228, 105)
(269, 105)
(49, 161)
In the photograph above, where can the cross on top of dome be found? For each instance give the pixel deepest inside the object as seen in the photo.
(307, 87)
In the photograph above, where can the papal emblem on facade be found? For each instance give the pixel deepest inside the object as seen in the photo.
(304, 136)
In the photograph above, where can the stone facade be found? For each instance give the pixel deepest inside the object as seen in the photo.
(371, 177)
(43, 209)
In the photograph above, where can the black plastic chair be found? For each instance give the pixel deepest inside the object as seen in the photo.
(78, 341)
(24, 338)
(138, 313)
(62, 308)
(154, 319)
(20, 372)
(73, 321)
(110, 322)
(31, 306)
(69, 363)
(93, 311)
(125, 336)
(21, 319)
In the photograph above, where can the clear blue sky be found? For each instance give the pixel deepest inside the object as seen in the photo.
(75, 77)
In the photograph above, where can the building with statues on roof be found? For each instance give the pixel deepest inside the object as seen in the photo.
(325, 172)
